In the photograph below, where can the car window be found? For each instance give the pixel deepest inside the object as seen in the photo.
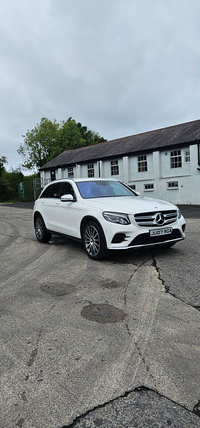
(67, 189)
(120, 190)
(46, 192)
(101, 189)
(55, 190)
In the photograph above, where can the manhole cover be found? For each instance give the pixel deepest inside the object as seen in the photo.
(109, 283)
(58, 289)
(102, 313)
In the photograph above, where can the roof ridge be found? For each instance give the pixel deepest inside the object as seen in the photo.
(84, 147)
(139, 133)
(155, 130)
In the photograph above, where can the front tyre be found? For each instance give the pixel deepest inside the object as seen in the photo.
(40, 230)
(94, 241)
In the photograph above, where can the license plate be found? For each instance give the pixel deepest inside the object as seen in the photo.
(159, 232)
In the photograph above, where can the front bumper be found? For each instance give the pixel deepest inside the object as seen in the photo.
(126, 237)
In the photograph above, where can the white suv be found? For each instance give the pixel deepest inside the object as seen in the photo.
(105, 214)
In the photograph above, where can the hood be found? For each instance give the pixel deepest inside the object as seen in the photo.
(129, 205)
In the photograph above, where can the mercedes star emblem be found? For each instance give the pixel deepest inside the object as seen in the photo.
(160, 219)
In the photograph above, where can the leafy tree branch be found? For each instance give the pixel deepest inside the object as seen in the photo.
(49, 138)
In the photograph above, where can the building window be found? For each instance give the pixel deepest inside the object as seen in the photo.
(172, 185)
(114, 167)
(187, 155)
(149, 187)
(176, 159)
(132, 186)
(90, 170)
(142, 163)
(70, 172)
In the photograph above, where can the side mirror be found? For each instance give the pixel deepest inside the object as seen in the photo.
(67, 198)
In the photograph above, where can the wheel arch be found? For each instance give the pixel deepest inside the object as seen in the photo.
(36, 214)
(41, 232)
(85, 220)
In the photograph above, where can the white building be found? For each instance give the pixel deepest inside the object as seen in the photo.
(164, 163)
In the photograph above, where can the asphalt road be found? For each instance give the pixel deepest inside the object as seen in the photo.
(87, 344)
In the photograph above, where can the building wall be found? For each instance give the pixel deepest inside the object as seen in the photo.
(161, 176)
(179, 185)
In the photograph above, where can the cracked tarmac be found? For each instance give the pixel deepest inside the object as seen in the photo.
(61, 369)
(139, 408)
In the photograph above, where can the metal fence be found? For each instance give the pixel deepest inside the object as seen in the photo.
(29, 190)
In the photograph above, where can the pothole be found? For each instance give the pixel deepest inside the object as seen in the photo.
(58, 289)
(103, 313)
(109, 283)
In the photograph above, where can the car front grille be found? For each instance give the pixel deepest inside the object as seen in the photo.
(158, 218)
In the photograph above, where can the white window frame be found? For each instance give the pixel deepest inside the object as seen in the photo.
(172, 185)
(70, 172)
(90, 170)
(114, 167)
(149, 187)
(187, 156)
(175, 159)
(142, 163)
(132, 186)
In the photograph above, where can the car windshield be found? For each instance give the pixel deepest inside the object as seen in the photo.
(103, 189)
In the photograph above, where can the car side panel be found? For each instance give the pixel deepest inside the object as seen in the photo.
(66, 218)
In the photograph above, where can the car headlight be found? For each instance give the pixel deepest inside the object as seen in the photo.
(119, 218)
(179, 213)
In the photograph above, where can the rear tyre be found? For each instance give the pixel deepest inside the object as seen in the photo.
(94, 241)
(41, 232)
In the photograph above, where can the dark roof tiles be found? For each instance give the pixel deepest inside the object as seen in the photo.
(148, 141)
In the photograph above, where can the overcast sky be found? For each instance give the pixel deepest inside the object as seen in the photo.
(120, 67)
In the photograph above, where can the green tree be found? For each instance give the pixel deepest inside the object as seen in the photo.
(3, 160)
(69, 136)
(49, 139)
(3, 188)
(9, 183)
(89, 137)
(40, 144)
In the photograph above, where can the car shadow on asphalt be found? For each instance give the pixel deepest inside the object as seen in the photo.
(132, 256)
